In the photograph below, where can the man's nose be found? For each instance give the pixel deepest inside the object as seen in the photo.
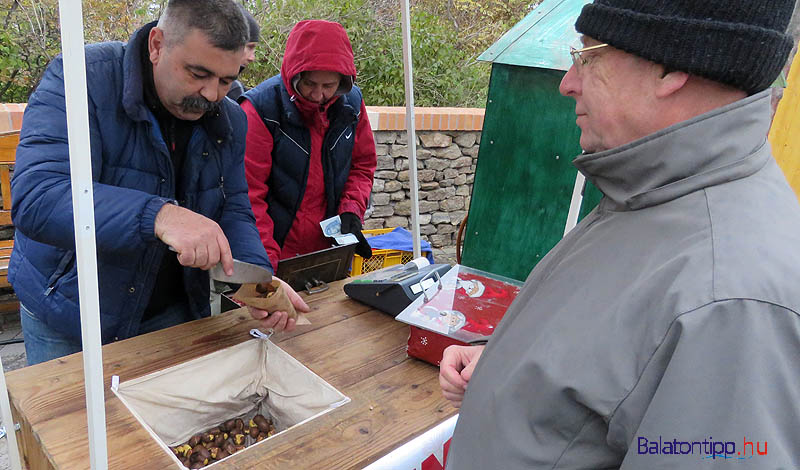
(210, 92)
(570, 83)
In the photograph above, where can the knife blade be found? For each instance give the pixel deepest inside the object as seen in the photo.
(243, 273)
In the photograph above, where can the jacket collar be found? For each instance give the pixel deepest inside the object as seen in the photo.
(216, 123)
(722, 145)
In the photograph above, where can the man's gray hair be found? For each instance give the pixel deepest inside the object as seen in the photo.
(220, 20)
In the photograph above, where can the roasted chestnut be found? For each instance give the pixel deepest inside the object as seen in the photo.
(262, 423)
(194, 440)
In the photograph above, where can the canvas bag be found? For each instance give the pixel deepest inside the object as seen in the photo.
(255, 376)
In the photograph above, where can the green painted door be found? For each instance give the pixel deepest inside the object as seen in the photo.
(524, 178)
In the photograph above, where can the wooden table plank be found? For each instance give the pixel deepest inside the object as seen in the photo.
(359, 351)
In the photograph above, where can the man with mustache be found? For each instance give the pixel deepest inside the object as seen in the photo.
(167, 154)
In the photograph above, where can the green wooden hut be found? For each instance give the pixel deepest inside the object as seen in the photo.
(524, 180)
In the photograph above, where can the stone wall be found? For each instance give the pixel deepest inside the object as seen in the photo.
(445, 172)
(447, 153)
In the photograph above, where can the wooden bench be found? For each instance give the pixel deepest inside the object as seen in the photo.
(8, 148)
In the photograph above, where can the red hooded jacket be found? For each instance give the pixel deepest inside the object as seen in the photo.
(312, 45)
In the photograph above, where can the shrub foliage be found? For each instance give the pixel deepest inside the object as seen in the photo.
(447, 36)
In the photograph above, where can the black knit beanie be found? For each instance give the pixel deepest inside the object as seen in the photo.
(742, 43)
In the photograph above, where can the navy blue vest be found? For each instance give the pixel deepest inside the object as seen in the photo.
(292, 147)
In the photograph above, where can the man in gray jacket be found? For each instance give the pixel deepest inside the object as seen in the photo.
(663, 331)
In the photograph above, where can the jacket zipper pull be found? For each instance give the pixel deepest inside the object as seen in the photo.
(222, 186)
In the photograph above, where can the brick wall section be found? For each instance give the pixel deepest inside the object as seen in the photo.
(11, 116)
(447, 152)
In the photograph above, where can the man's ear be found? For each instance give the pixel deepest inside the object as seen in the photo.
(670, 81)
(156, 44)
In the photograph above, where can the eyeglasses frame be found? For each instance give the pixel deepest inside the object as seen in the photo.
(577, 59)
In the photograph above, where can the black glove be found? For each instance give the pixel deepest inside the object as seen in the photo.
(351, 223)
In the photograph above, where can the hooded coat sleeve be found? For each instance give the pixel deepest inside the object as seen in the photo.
(363, 162)
(726, 365)
(258, 164)
(237, 219)
(41, 187)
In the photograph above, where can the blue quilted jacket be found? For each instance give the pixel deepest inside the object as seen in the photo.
(133, 178)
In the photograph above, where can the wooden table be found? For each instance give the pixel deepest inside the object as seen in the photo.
(358, 350)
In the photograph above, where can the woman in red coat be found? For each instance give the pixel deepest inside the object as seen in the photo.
(310, 151)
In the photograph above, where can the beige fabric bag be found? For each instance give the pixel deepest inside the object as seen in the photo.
(255, 376)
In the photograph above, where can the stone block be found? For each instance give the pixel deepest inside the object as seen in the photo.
(401, 164)
(385, 137)
(462, 163)
(440, 240)
(403, 207)
(439, 194)
(466, 202)
(446, 228)
(426, 175)
(402, 175)
(423, 154)
(383, 211)
(440, 218)
(399, 151)
(427, 229)
(466, 139)
(450, 173)
(386, 174)
(428, 185)
(452, 204)
(457, 216)
(397, 195)
(446, 183)
(380, 199)
(385, 162)
(451, 153)
(463, 190)
(471, 178)
(396, 221)
(402, 138)
(435, 139)
(427, 206)
(381, 149)
(471, 151)
(460, 179)
(424, 219)
(372, 224)
(439, 164)
(377, 185)
(392, 186)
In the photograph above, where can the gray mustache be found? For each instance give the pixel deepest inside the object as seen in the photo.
(197, 104)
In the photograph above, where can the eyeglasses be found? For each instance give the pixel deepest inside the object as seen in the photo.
(578, 59)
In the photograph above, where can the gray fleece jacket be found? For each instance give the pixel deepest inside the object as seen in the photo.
(663, 331)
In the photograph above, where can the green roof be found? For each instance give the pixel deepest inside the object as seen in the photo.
(542, 39)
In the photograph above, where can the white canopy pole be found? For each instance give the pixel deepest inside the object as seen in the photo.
(410, 126)
(77, 106)
(8, 421)
(575, 203)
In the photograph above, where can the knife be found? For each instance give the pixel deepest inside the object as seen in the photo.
(243, 273)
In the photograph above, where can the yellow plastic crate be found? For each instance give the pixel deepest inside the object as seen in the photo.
(380, 258)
